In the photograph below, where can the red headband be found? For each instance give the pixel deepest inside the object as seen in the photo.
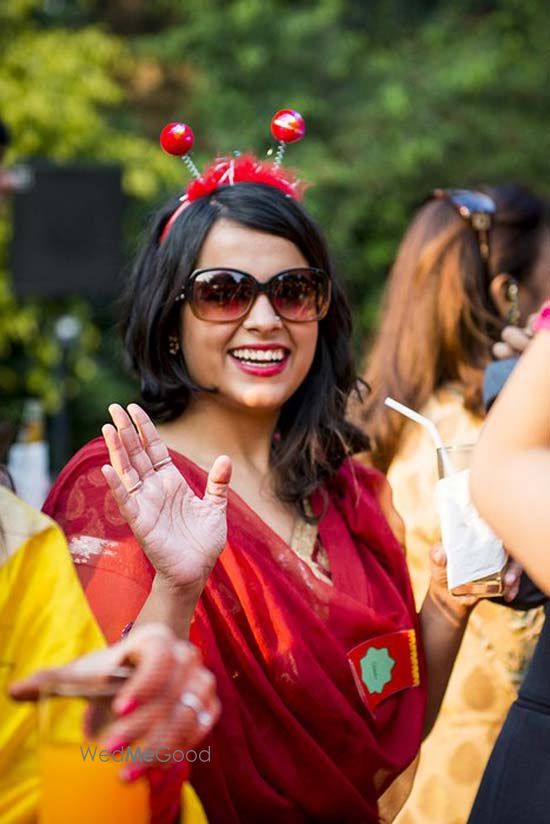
(287, 126)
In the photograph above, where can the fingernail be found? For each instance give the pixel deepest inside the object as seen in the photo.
(117, 742)
(509, 578)
(131, 773)
(127, 706)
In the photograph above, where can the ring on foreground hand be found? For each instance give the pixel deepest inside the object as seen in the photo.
(164, 462)
(135, 487)
(204, 718)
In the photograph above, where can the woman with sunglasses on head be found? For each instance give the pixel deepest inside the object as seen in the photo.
(241, 336)
(470, 263)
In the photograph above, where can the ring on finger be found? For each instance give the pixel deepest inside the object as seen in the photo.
(135, 487)
(164, 462)
(204, 718)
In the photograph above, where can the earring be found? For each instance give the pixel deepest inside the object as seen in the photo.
(173, 344)
(512, 294)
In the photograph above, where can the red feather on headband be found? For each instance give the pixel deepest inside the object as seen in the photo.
(287, 126)
(226, 171)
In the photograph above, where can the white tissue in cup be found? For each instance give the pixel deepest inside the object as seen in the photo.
(475, 555)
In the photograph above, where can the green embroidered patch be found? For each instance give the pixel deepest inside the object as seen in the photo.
(376, 667)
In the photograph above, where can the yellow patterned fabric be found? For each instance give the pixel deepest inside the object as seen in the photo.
(497, 644)
(45, 621)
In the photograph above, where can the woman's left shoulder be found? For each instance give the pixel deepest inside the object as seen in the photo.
(80, 499)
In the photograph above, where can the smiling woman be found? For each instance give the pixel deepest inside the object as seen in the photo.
(210, 349)
(259, 230)
(252, 529)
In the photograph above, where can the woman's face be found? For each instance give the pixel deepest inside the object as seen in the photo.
(231, 357)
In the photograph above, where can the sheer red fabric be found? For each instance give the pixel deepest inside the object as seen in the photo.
(295, 742)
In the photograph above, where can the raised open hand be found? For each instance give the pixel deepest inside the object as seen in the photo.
(181, 534)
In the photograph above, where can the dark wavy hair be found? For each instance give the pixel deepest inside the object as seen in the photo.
(313, 434)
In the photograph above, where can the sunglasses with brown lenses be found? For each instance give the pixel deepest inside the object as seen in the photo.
(222, 295)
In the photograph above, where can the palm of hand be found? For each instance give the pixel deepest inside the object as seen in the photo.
(181, 534)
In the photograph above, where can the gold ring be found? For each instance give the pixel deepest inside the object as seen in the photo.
(164, 462)
(135, 487)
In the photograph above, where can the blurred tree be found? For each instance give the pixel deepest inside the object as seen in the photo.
(61, 97)
(399, 96)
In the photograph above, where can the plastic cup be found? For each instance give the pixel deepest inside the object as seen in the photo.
(80, 780)
(475, 556)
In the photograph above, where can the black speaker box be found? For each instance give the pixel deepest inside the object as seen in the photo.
(67, 232)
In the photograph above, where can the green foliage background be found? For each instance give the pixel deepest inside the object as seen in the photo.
(399, 96)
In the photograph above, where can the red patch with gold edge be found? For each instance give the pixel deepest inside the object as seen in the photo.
(385, 665)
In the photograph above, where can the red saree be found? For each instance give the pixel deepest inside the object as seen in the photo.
(295, 742)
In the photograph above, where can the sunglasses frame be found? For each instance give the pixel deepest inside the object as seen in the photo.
(480, 219)
(258, 289)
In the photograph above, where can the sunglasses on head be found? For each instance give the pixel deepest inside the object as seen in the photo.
(221, 294)
(475, 207)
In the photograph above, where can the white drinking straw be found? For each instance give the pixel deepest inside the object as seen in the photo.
(427, 424)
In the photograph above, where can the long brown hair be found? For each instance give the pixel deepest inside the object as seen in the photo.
(438, 320)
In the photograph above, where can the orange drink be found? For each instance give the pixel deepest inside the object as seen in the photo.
(75, 788)
(80, 779)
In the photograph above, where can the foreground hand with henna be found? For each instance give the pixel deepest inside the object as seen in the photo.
(168, 702)
(181, 534)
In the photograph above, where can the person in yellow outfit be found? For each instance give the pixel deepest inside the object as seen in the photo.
(45, 622)
(469, 263)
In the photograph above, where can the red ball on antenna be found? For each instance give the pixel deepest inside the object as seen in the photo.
(288, 126)
(177, 139)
